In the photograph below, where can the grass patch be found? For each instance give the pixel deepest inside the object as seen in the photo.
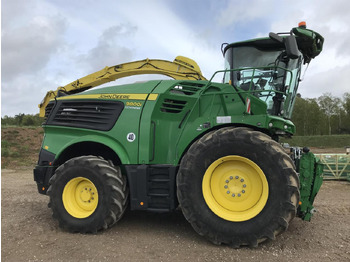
(5, 148)
(11, 127)
(14, 143)
(4, 144)
(336, 141)
(16, 154)
(5, 152)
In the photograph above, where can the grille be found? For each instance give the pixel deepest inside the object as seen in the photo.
(98, 115)
(48, 109)
(173, 106)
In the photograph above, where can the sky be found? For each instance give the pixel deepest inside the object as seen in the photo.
(50, 43)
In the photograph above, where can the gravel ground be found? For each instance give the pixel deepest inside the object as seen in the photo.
(28, 232)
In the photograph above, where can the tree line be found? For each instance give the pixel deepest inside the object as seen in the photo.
(325, 115)
(22, 120)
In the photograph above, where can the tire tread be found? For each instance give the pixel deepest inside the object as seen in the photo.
(247, 136)
(115, 182)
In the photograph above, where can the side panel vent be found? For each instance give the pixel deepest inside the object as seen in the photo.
(97, 115)
(187, 88)
(173, 106)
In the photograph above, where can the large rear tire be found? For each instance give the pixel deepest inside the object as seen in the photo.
(238, 187)
(87, 194)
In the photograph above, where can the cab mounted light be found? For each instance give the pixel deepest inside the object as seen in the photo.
(302, 24)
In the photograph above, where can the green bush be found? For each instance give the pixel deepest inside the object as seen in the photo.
(5, 152)
(22, 120)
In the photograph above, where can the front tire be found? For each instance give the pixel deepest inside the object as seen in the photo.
(87, 194)
(238, 187)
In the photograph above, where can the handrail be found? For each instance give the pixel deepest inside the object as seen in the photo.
(336, 166)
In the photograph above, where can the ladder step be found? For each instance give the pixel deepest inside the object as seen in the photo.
(159, 180)
(159, 210)
(158, 194)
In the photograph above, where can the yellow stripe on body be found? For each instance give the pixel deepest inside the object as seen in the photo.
(151, 97)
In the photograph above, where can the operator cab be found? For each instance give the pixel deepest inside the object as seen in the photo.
(267, 69)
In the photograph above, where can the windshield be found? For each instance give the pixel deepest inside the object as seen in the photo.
(268, 74)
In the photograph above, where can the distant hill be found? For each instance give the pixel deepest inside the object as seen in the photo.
(20, 146)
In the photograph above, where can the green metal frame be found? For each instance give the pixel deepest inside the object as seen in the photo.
(311, 178)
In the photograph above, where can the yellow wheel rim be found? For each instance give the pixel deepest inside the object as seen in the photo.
(80, 197)
(235, 188)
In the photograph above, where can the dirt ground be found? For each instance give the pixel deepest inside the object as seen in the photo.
(28, 232)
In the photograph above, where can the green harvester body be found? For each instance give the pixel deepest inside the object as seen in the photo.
(147, 128)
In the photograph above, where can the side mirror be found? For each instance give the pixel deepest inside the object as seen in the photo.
(289, 42)
(291, 47)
